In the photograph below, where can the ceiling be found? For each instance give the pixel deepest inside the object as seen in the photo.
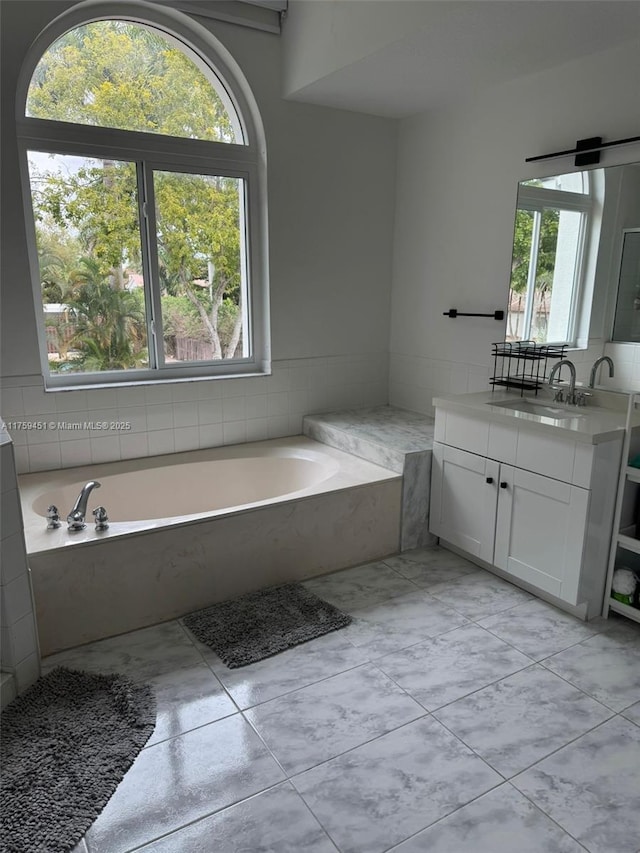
(395, 58)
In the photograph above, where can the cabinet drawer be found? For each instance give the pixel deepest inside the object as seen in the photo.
(464, 432)
(546, 455)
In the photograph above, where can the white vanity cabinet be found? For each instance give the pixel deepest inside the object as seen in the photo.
(464, 499)
(541, 529)
(535, 507)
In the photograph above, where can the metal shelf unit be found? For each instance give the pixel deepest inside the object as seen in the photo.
(523, 364)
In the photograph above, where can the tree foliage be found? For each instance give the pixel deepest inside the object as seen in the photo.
(110, 327)
(127, 76)
(545, 261)
(546, 258)
(96, 202)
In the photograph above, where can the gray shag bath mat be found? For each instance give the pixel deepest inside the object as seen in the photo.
(261, 624)
(66, 744)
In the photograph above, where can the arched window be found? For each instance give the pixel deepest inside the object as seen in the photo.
(145, 166)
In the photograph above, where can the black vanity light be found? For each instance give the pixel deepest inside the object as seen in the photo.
(587, 151)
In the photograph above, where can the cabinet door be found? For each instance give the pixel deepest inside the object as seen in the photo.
(463, 500)
(540, 531)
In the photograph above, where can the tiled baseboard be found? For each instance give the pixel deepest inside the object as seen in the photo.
(7, 689)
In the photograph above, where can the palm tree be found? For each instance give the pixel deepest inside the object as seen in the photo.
(111, 331)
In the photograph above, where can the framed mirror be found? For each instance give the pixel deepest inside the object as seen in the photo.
(569, 271)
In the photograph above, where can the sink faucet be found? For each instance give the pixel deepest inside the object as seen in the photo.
(571, 395)
(75, 519)
(596, 365)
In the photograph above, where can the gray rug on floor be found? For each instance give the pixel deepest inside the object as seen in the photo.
(66, 744)
(261, 624)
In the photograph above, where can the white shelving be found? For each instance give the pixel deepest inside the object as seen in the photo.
(625, 533)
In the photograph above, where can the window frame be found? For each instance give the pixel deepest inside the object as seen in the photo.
(155, 151)
(536, 200)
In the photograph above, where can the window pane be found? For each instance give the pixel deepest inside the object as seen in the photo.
(541, 297)
(130, 77)
(88, 239)
(201, 263)
(556, 275)
(517, 329)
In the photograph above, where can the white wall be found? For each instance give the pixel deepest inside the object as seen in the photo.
(457, 177)
(331, 178)
(321, 37)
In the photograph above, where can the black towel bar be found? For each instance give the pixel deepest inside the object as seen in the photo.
(453, 312)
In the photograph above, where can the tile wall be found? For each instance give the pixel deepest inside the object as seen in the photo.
(626, 358)
(173, 417)
(19, 654)
(415, 380)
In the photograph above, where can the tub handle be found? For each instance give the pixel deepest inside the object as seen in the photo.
(101, 517)
(53, 518)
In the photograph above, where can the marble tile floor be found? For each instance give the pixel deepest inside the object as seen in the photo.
(456, 713)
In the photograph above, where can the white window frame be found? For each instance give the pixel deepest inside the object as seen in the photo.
(157, 152)
(535, 200)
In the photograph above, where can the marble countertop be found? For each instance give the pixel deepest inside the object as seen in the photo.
(602, 419)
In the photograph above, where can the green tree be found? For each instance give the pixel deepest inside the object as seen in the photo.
(110, 325)
(57, 254)
(199, 239)
(126, 76)
(521, 259)
(97, 201)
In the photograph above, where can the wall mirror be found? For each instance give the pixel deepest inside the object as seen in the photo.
(626, 322)
(576, 258)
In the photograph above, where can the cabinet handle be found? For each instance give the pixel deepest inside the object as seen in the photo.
(489, 479)
(503, 485)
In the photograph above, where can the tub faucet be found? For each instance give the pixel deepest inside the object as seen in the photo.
(571, 394)
(596, 365)
(75, 519)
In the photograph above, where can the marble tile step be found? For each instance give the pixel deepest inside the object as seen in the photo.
(396, 439)
(384, 435)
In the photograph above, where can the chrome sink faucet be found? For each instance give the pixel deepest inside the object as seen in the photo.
(571, 394)
(596, 365)
(75, 519)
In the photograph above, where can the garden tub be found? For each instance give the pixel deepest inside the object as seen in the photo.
(190, 529)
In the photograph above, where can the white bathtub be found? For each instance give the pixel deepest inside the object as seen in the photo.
(194, 528)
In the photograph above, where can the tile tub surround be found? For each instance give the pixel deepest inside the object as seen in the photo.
(325, 749)
(19, 651)
(172, 417)
(89, 585)
(397, 439)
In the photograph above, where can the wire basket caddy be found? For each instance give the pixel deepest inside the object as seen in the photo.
(523, 364)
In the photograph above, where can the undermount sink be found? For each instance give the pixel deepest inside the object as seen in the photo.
(531, 407)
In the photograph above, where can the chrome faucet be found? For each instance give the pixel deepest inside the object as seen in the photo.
(75, 519)
(571, 394)
(596, 365)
